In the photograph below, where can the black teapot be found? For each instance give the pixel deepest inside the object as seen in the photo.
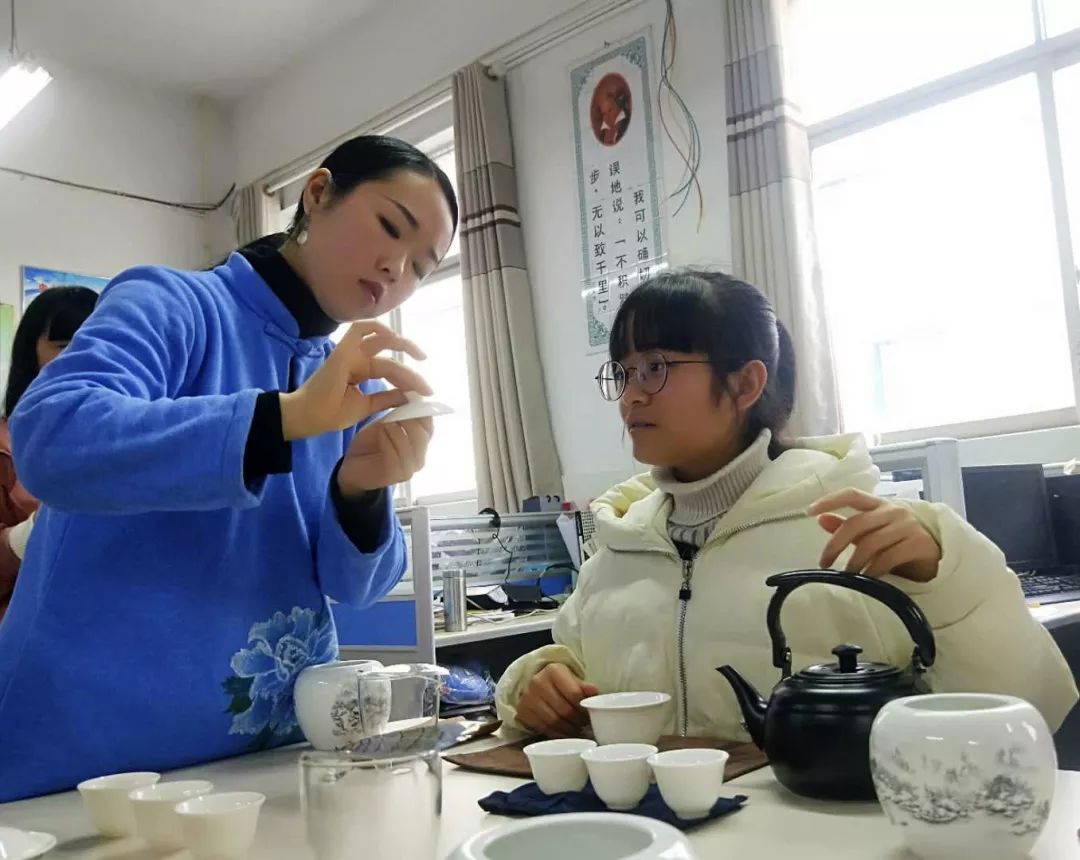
(816, 727)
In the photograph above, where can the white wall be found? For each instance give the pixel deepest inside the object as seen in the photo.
(218, 171)
(108, 133)
(587, 430)
(401, 49)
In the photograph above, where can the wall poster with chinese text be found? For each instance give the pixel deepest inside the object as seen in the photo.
(619, 187)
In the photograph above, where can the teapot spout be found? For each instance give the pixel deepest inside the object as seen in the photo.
(751, 703)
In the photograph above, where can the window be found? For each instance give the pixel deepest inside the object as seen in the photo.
(435, 319)
(1060, 16)
(895, 45)
(944, 181)
(1067, 89)
(285, 219)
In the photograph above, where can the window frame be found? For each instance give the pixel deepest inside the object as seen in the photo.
(1042, 58)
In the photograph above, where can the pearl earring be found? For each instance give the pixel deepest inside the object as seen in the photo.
(299, 233)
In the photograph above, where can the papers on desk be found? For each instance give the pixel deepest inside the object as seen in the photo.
(478, 616)
(493, 616)
(567, 526)
(493, 594)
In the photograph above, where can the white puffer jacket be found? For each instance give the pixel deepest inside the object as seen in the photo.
(621, 629)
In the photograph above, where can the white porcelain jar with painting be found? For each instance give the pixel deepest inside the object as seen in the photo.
(964, 774)
(329, 709)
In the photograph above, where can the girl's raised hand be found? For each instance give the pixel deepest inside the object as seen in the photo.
(886, 536)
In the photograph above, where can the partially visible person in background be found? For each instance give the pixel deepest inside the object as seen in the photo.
(48, 325)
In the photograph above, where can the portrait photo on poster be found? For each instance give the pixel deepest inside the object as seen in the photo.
(611, 109)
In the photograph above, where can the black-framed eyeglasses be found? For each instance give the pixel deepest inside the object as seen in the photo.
(650, 375)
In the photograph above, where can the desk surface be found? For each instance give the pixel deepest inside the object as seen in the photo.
(772, 822)
(1054, 611)
(479, 631)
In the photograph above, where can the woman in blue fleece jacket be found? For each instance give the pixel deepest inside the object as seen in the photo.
(207, 482)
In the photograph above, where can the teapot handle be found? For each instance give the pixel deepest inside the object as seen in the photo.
(905, 608)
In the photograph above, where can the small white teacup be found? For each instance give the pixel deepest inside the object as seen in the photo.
(690, 780)
(557, 765)
(156, 820)
(620, 773)
(106, 800)
(628, 718)
(220, 826)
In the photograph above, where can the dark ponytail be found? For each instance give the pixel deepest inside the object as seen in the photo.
(773, 410)
(730, 321)
(370, 157)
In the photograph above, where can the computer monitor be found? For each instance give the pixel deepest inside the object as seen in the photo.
(1009, 505)
(1065, 515)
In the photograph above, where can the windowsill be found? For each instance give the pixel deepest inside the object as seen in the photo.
(1057, 419)
(437, 499)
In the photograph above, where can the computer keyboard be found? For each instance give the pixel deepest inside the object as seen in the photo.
(1039, 586)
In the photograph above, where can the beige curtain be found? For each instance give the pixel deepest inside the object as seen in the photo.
(255, 214)
(515, 448)
(771, 212)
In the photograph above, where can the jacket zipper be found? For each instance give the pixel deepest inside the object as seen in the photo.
(685, 593)
(688, 555)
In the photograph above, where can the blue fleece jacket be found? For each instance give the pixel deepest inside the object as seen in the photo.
(164, 607)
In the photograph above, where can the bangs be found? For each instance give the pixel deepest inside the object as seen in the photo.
(65, 322)
(670, 312)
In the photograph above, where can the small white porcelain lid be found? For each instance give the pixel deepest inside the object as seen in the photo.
(416, 406)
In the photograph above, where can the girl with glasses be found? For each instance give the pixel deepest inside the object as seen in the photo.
(704, 377)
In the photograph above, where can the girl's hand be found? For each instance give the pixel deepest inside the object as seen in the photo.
(887, 538)
(331, 401)
(551, 704)
(382, 455)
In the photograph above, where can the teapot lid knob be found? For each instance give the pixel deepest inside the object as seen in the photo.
(848, 656)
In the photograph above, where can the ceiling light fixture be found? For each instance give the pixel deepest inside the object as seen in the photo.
(21, 82)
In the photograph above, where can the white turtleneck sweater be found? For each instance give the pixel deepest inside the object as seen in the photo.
(697, 505)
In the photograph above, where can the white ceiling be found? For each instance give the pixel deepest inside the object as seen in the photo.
(220, 48)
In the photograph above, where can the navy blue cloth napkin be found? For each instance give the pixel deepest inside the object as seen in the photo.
(530, 800)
